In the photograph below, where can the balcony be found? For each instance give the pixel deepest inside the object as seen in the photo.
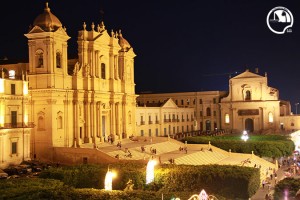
(18, 125)
(150, 122)
(182, 120)
(174, 120)
(167, 120)
(142, 122)
(156, 122)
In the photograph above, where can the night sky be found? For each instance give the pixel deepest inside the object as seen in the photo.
(181, 46)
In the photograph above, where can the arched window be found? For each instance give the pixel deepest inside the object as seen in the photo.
(271, 119)
(248, 95)
(39, 59)
(227, 119)
(41, 123)
(103, 72)
(208, 111)
(58, 60)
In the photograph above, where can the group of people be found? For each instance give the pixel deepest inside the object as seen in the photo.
(183, 149)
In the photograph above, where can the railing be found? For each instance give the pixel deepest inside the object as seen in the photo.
(150, 122)
(142, 122)
(18, 125)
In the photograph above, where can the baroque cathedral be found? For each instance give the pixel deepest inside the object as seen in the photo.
(71, 102)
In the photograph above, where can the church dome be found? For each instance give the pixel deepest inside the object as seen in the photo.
(47, 21)
(123, 42)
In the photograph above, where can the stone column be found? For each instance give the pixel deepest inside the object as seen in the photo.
(112, 118)
(100, 127)
(76, 127)
(87, 130)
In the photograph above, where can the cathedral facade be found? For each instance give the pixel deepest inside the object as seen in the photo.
(83, 100)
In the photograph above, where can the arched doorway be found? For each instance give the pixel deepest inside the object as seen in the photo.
(249, 125)
(207, 125)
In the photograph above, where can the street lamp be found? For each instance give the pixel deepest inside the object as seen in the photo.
(296, 105)
(108, 179)
(150, 171)
(245, 136)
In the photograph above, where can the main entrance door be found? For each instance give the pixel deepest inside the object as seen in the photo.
(249, 125)
(207, 125)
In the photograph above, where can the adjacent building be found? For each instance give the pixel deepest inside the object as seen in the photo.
(15, 126)
(164, 119)
(205, 104)
(252, 105)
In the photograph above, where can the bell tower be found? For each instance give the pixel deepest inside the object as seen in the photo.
(47, 43)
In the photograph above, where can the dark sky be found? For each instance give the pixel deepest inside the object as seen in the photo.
(188, 45)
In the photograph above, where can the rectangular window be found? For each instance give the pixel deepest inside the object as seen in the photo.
(227, 119)
(142, 132)
(13, 88)
(103, 71)
(215, 113)
(156, 131)
(201, 113)
(215, 100)
(194, 101)
(182, 102)
(200, 101)
(14, 148)
(14, 118)
(176, 101)
(150, 133)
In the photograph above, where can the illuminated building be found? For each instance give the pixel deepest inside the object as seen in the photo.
(164, 119)
(205, 104)
(15, 126)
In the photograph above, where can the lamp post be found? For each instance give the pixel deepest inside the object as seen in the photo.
(296, 105)
(150, 171)
(108, 180)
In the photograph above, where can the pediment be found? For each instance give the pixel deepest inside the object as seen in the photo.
(247, 74)
(103, 37)
(36, 29)
(61, 30)
(169, 104)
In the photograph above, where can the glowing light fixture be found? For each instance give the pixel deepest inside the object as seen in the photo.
(150, 171)
(245, 136)
(227, 119)
(108, 180)
(12, 74)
